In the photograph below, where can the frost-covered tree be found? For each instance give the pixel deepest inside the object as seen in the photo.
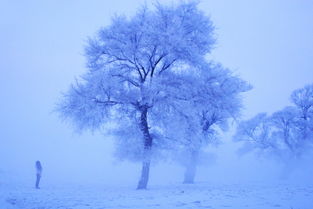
(283, 128)
(287, 132)
(210, 98)
(255, 133)
(218, 100)
(133, 65)
(303, 100)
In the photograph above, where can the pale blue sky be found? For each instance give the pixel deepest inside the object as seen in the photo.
(269, 43)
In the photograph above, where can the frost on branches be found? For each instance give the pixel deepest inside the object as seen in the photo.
(147, 69)
(211, 96)
(286, 133)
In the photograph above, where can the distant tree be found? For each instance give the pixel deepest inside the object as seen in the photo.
(210, 99)
(283, 128)
(133, 68)
(303, 100)
(218, 101)
(287, 132)
(255, 133)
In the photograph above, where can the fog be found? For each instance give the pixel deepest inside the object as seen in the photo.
(267, 43)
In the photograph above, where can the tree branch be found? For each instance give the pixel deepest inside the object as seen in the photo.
(166, 66)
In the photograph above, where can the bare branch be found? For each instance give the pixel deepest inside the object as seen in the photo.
(127, 79)
(166, 66)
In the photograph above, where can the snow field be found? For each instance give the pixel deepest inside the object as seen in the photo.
(201, 195)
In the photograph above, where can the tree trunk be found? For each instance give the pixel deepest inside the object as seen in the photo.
(191, 167)
(143, 182)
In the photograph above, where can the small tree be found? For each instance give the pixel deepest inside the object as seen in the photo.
(131, 63)
(255, 133)
(283, 127)
(303, 100)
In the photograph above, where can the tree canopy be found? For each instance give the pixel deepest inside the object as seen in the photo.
(143, 71)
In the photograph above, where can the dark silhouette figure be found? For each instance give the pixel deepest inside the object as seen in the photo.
(38, 173)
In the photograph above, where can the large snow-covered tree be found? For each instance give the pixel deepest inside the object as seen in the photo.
(131, 65)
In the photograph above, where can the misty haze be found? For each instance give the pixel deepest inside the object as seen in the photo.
(161, 104)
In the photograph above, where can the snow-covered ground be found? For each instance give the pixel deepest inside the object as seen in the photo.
(200, 195)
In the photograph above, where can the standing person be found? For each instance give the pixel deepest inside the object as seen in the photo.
(38, 173)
